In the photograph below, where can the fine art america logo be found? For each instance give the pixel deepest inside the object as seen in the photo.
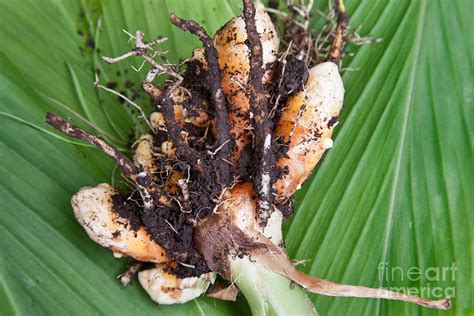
(430, 278)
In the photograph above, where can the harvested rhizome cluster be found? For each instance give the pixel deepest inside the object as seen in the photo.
(233, 137)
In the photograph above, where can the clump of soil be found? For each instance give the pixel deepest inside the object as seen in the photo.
(170, 228)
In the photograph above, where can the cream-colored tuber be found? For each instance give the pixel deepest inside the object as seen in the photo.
(307, 124)
(93, 210)
(144, 154)
(234, 60)
(166, 288)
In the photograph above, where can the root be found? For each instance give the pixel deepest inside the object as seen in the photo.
(340, 38)
(218, 98)
(153, 91)
(141, 49)
(183, 149)
(330, 41)
(142, 116)
(143, 182)
(185, 192)
(67, 128)
(129, 274)
(262, 124)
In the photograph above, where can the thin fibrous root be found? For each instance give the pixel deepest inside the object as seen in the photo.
(272, 5)
(182, 183)
(340, 38)
(153, 91)
(262, 124)
(143, 116)
(129, 274)
(218, 98)
(141, 178)
(141, 49)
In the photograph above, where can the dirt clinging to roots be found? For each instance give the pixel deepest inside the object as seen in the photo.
(172, 226)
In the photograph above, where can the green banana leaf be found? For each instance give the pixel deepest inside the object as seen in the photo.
(394, 196)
